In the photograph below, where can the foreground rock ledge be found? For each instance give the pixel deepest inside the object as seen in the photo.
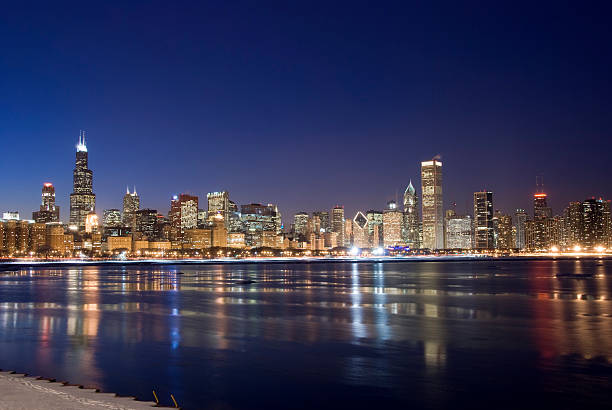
(20, 392)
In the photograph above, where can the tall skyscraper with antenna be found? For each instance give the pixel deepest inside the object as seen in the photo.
(82, 198)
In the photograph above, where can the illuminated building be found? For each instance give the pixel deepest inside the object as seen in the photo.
(160, 245)
(410, 228)
(197, 238)
(269, 239)
(459, 231)
(375, 228)
(483, 220)
(595, 223)
(360, 231)
(219, 232)
(520, 218)
(183, 213)
(504, 238)
(337, 224)
(235, 240)
(38, 236)
(218, 204)
(300, 223)
(10, 216)
(114, 243)
(82, 198)
(140, 245)
(131, 204)
(542, 234)
(572, 218)
(54, 238)
(431, 207)
(392, 225)
(323, 217)
(348, 232)
(540, 207)
(15, 237)
(48, 212)
(146, 223)
(111, 218)
(91, 223)
(255, 219)
(330, 239)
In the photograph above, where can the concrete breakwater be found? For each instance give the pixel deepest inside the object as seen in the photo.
(19, 391)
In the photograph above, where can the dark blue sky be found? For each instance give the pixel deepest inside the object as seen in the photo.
(305, 104)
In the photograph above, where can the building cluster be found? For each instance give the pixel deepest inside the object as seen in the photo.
(220, 227)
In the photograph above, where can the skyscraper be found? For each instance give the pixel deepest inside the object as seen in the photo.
(433, 215)
(392, 225)
(540, 207)
(520, 218)
(375, 228)
(595, 223)
(218, 204)
(82, 198)
(503, 230)
(146, 223)
(324, 220)
(183, 213)
(360, 231)
(458, 231)
(131, 204)
(337, 224)
(483, 220)
(572, 218)
(111, 218)
(410, 228)
(300, 222)
(256, 219)
(48, 212)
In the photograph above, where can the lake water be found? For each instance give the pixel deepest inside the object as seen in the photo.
(465, 334)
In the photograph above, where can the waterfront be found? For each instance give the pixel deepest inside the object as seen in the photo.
(388, 335)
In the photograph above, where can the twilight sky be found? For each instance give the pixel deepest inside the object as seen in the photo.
(306, 104)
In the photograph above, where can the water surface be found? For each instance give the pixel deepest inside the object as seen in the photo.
(466, 334)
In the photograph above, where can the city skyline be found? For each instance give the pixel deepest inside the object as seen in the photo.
(178, 97)
(164, 208)
(192, 226)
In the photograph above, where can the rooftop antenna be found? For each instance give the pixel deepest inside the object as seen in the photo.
(540, 184)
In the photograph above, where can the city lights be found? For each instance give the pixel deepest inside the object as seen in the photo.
(222, 228)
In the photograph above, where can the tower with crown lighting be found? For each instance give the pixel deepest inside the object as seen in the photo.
(410, 226)
(82, 198)
(131, 204)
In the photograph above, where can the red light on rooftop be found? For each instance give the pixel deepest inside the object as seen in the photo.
(48, 184)
(539, 195)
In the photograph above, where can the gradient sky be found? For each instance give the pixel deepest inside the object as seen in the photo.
(306, 104)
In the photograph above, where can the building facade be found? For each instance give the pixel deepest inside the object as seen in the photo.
(483, 220)
(82, 198)
(432, 212)
(48, 212)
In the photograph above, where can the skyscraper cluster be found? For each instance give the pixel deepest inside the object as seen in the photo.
(217, 226)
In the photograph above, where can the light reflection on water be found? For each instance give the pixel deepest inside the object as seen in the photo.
(425, 333)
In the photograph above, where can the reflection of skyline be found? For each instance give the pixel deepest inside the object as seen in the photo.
(571, 316)
(361, 315)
